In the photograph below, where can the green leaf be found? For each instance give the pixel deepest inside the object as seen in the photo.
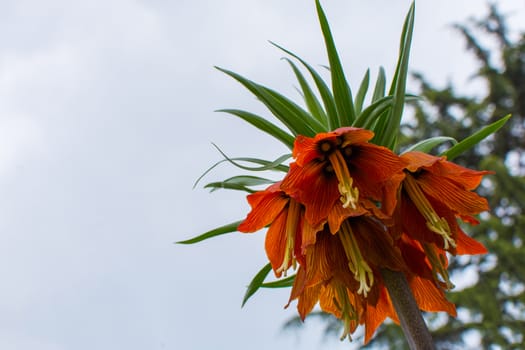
(265, 164)
(474, 139)
(256, 282)
(379, 122)
(296, 119)
(264, 125)
(213, 233)
(389, 134)
(324, 91)
(341, 90)
(288, 106)
(367, 117)
(361, 93)
(310, 99)
(379, 90)
(241, 182)
(427, 145)
(282, 283)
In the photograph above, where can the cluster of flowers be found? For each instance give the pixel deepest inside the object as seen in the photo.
(347, 209)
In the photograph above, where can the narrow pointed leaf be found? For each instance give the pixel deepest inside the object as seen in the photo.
(380, 88)
(241, 183)
(361, 93)
(379, 123)
(342, 93)
(324, 90)
(276, 165)
(264, 125)
(310, 99)
(266, 165)
(232, 227)
(389, 134)
(297, 120)
(474, 139)
(366, 117)
(282, 283)
(427, 145)
(369, 117)
(214, 186)
(286, 106)
(256, 282)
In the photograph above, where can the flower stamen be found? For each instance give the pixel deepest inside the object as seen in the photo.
(357, 265)
(348, 313)
(434, 223)
(438, 265)
(292, 221)
(349, 194)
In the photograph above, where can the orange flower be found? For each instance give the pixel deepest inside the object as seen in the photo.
(285, 216)
(341, 168)
(348, 209)
(342, 272)
(434, 193)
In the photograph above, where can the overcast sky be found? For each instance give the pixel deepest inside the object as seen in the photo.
(106, 120)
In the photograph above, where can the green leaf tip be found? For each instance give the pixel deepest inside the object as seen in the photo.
(475, 138)
(427, 145)
(388, 133)
(232, 227)
(256, 283)
(342, 93)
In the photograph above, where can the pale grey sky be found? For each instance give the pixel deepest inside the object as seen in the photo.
(106, 120)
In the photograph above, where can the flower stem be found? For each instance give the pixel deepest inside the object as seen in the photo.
(414, 327)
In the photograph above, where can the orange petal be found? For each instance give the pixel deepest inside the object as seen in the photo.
(449, 193)
(353, 135)
(309, 235)
(429, 297)
(305, 149)
(415, 256)
(418, 160)
(266, 205)
(414, 223)
(376, 314)
(467, 245)
(469, 179)
(338, 214)
(376, 244)
(275, 243)
(370, 166)
(313, 188)
(308, 299)
(298, 285)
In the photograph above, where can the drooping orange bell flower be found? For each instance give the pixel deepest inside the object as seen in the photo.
(341, 273)
(434, 193)
(285, 216)
(341, 167)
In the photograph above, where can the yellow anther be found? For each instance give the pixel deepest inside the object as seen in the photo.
(349, 193)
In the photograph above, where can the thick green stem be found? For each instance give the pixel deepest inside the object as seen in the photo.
(414, 327)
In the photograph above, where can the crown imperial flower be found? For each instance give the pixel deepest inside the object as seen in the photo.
(350, 216)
